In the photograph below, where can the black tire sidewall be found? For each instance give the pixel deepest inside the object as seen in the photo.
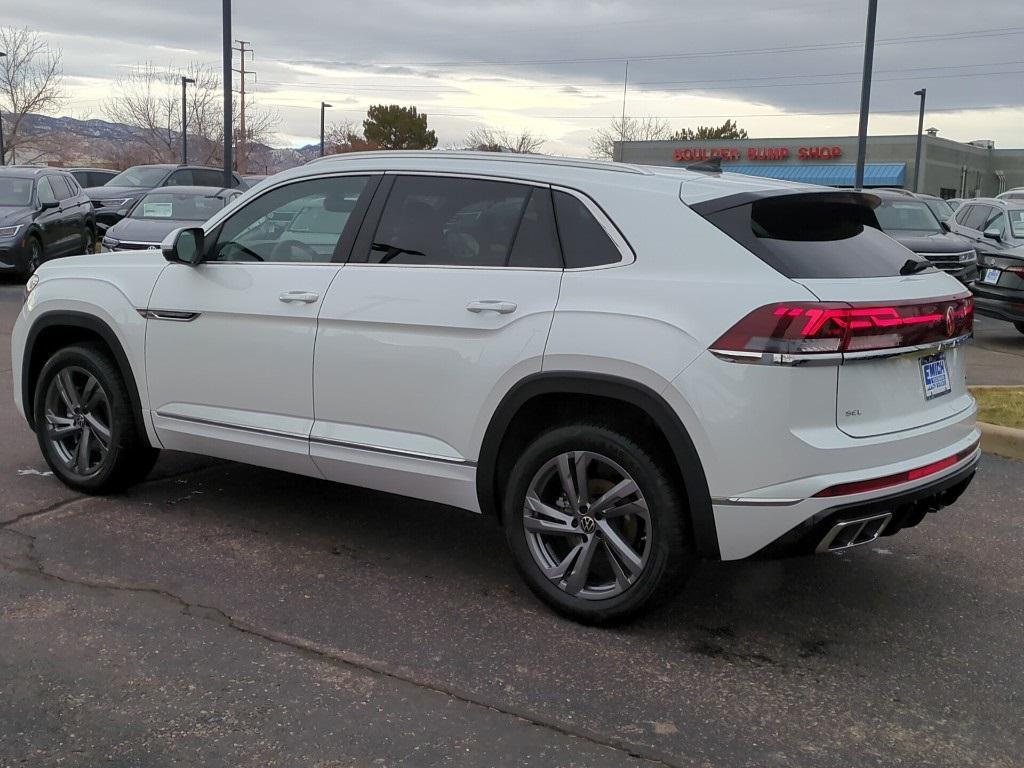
(1019, 326)
(123, 429)
(671, 554)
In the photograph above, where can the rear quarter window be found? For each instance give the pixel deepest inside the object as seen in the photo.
(814, 236)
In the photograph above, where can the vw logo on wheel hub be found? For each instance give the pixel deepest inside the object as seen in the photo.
(588, 524)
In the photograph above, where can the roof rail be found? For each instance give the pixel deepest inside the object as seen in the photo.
(500, 157)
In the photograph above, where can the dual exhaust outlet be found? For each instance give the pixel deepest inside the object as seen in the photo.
(853, 533)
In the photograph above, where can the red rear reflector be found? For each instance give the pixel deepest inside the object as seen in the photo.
(808, 328)
(877, 483)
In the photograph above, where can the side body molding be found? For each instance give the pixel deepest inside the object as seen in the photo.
(31, 366)
(573, 383)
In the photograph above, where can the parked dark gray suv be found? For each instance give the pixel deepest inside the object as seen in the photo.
(115, 198)
(911, 222)
(44, 214)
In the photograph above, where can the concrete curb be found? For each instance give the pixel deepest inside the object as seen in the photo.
(1003, 441)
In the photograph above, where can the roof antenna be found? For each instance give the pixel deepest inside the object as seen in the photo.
(711, 165)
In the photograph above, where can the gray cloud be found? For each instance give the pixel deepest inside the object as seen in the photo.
(487, 41)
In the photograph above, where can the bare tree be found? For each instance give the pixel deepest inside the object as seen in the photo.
(31, 81)
(345, 136)
(487, 139)
(148, 99)
(602, 143)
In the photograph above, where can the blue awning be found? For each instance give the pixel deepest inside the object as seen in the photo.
(830, 175)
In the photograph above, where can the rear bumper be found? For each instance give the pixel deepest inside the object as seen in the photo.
(840, 527)
(1011, 310)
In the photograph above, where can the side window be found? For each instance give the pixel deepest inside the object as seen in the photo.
(181, 178)
(536, 243)
(44, 192)
(962, 214)
(995, 220)
(60, 187)
(73, 184)
(300, 222)
(976, 218)
(584, 241)
(205, 178)
(433, 220)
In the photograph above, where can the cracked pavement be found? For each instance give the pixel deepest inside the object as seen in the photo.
(221, 614)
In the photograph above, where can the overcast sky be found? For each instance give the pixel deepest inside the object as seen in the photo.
(556, 66)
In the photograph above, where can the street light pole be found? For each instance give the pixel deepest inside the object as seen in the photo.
(2, 55)
(920, 139)
(228, 47)
(184, 120)
(323, 105)
(865, 93)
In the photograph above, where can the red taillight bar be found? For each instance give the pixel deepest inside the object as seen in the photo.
(819, 328)
(877, 483)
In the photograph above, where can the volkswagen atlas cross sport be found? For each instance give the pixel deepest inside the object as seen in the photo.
(630, 368)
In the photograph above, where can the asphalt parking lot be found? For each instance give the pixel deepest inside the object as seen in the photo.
(223, 615)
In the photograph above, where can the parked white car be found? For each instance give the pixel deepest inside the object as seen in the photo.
(630, 368)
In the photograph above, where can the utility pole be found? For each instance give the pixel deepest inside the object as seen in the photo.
(2, 55)
(920, 139)
(323, 105)
(226, 51)
(240, 152)
(184, 120)
(865, 93)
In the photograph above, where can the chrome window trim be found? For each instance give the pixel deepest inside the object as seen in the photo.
(837, 358)
(628, 255)
(618, 239)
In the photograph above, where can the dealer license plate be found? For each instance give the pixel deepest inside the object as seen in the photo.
(990, 276)
(935, 376)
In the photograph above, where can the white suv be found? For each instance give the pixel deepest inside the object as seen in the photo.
(631, 368)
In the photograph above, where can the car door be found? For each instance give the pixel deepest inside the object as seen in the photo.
(445, 304)
(229, 343)
(50, 223)
(73, 220)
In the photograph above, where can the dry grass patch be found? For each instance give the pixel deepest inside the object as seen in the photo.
(1000, 405)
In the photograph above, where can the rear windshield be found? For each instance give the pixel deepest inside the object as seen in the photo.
(907, 216)
(818, 235)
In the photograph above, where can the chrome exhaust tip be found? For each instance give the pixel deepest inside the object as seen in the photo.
(853, 533)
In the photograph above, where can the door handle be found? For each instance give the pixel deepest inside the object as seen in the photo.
(302, 297)
(490, 305)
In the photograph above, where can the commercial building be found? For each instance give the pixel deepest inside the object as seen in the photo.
(948, 168)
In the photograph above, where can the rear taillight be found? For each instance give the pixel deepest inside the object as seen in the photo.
(810, 328)
(1015, 270)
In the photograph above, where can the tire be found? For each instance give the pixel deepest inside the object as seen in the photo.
(88, 240)
(1019, 327)
(660, 553)
(35, 257)
(81, 396)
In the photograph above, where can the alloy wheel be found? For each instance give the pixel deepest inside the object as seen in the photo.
(35, 255)
(588, 526)
(78, 421)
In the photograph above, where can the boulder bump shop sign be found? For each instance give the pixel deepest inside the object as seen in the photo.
(755, 154)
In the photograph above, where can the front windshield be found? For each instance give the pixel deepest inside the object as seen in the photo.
(182, 206)
(940, 208)
(906, 216)
(15, 191)
(1017, 222)
(138, 176)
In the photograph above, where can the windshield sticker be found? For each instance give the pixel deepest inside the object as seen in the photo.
(158, 210)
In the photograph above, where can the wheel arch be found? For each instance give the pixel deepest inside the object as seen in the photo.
(57, 329)
(658, 412)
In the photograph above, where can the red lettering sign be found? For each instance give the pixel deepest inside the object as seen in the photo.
(820, 153)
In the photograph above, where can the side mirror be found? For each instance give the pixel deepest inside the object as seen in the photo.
(945, 226)
(184, 246)
(46, 205)
(993, 234)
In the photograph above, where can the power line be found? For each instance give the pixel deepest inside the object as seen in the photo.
(907, 39)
